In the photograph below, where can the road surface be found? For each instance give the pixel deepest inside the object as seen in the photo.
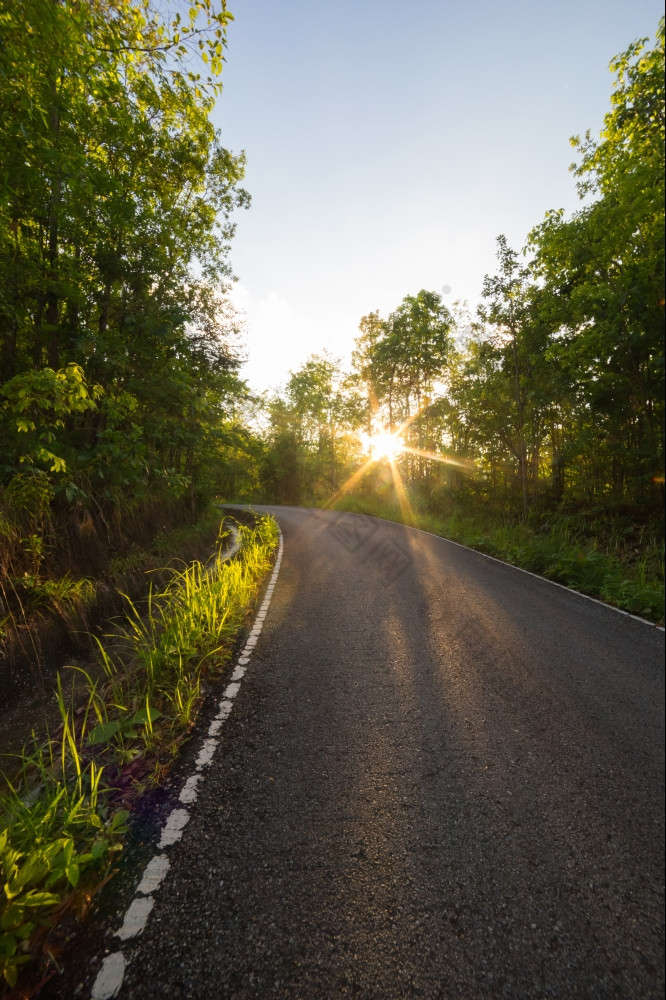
(441, 778)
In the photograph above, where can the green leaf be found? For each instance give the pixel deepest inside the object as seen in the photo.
(103, 732)
(144, 715)
(40, 899)
(7, 946)
(11, 916)
(73, 874)
(98, 849)
(25, 930)
(118, 820)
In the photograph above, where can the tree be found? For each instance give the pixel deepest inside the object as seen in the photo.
(399, 361)
(116, 195)
(312, 435)
(506, 293)
(602, 278)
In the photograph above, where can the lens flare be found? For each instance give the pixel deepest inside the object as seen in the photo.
(383, 446)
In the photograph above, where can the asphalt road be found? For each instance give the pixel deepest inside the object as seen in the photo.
(441, 778)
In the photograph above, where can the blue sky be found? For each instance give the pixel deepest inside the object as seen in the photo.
(388, 145)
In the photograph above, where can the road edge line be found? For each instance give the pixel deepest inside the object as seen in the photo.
(502, 562)
(109, 979)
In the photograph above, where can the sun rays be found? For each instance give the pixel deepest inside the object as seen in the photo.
(386, 447)
(383, 445)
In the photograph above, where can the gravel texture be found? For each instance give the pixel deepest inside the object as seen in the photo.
(441, 778)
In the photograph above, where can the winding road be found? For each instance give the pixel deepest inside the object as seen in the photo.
(442, 777)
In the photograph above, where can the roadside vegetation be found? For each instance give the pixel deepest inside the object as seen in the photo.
(119, 387)
(612, 559)
(66, 799)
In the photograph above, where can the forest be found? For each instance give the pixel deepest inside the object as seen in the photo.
(538, 418)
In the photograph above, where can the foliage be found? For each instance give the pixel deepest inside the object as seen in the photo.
(311, 440)
(63, 814)
(399, 360)
(557, 393)
(601, 287)
(117, 365)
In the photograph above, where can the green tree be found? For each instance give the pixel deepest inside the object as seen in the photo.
(116, 196)
(400, 361)
(506, 294)
(602, 278)
(312, 436)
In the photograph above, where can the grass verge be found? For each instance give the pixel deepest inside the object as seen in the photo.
(620, 563)
(41, 613)
(64, 810)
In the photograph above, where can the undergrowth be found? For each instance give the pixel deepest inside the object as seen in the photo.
(45, 577)
(64, 807)
(617, 561)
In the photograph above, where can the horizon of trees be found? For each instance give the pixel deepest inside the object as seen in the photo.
(554, 392)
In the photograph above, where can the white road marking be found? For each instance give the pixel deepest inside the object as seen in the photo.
(188, 793)
(136, 916)
(519, 569)
(110, 976)
(154, 873)
(206, 754)
(173, 828)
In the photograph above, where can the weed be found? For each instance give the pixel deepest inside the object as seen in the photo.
(59, 815)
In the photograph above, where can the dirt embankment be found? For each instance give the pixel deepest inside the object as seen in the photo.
(47, 641)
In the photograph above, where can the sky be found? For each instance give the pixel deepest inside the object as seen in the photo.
(388, 145)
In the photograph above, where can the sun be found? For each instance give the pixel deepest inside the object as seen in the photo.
(384, 446)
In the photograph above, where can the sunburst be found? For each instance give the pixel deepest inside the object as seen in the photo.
(383, 446)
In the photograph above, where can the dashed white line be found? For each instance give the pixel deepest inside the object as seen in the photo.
(136, 916)
(206, 753)
(188, 793)
(154, 873)
(225, 709)
(110, 976)
(176, 821)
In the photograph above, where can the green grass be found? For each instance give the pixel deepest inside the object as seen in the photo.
(596, 554)
(32, 597)
(62, 814)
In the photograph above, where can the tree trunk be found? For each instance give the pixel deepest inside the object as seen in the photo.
(52, 254)
(522, 450)
(8, 354)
